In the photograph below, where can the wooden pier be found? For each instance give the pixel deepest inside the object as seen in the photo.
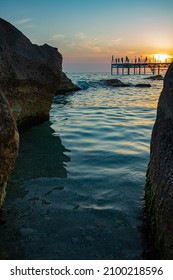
(139, 66)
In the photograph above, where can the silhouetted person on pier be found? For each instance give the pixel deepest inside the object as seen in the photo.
(127, 59)
(122, 59)
(118, 60)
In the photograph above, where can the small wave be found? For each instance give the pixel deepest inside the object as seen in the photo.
(93, 84)
(83, 84)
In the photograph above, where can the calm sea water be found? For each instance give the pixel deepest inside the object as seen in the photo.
(78, 186)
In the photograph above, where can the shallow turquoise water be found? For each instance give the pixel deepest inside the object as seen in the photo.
(82, 174)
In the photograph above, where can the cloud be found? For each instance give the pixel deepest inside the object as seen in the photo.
(23, 21)
(94, 49)
(82, 42)
(116, 41)
(95, 44)
(86, 41)
(57, 37)
(112, 42)
(72, 45)
(80, 35)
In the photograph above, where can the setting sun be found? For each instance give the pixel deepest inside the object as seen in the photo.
(160, 57)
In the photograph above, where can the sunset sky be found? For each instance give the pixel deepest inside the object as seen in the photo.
(89, 32)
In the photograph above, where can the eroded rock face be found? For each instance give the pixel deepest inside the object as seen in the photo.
(30, 75)
(9, 143)
(159, 186)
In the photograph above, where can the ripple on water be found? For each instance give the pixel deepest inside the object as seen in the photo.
(82, 194)
(107, 131)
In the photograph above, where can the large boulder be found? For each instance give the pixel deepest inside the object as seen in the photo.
(8, 145)
(159, 185)
(30, 75)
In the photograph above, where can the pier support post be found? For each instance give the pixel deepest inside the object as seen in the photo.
(128, 70)
(158, 69)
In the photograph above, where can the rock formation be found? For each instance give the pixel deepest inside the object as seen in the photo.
(118, 83)
(8, 145)
(30, 75)
(159, 185)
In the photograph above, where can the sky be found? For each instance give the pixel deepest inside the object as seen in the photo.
(88, 32)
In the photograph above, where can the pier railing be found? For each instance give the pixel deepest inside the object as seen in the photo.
(139, 65)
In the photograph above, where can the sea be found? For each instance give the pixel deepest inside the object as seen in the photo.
(77, 190)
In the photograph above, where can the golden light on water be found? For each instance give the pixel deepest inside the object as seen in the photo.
(160, 57)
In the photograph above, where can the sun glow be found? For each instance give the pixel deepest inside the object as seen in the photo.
(160, 57)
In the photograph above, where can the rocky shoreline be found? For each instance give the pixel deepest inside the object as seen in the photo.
(30, 77)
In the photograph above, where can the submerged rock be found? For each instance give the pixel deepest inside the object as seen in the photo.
(116, 83)
(30, 75)
(142, 85)
(8, 145)
(159, 185)
(156, 77)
